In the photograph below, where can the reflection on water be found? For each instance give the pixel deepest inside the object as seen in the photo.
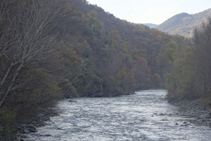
(142, 116)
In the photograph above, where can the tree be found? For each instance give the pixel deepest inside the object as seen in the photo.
(26, 35)
(181, 80)
(202, 40)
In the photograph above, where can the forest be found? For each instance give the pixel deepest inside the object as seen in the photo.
(190, 68)
(50, 50)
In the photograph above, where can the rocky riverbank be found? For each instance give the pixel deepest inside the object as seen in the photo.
(198, 109)
(24, 129)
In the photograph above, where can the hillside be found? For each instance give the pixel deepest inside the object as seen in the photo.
(62, 49)
(184, 23)
(122, 53)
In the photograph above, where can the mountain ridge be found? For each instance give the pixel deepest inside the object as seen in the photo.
(183, 23)
(151, 25)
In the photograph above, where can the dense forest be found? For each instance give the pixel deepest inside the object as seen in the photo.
(57, 49)
(190, 67)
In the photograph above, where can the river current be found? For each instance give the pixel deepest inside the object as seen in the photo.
(144, 116)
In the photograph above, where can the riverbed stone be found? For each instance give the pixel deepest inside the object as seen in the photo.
(197, 109)
(27, 129)
(72, 100)
(161, 114)
(31, 128)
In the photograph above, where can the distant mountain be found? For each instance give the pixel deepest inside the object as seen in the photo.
(184, 23)
(150, 25)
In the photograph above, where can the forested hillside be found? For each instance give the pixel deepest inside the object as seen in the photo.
(184, 24)
(189, 68)
(124, 54)
(55, 49)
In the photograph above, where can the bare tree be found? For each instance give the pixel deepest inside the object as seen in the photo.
(26, 34)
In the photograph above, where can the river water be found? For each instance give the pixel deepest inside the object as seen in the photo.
(139, 117)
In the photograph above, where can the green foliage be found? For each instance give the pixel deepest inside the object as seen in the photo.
(88, 83)
(168, 53)
(68, 89)
(92, 13)
(156, 80)
(114, 44)
(93, 22)
(125, 80)
(44, 85)
(188, 75)
(180, 78)
(127, 52)
(6, 118)
(39, 94)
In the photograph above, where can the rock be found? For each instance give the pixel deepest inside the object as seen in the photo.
(23, 130)
(45, 118)
(72, 100)
(206, 115)
(161, 114)
(27, 129)
(164, 119)
(176, 123)
(197, 109)
(46, 135)
(184, 125)
(31, 128)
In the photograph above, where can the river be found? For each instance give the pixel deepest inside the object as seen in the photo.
(139, 117)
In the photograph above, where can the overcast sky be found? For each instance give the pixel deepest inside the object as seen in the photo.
(151, 11)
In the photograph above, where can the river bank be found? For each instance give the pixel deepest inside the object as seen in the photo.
(198, 109)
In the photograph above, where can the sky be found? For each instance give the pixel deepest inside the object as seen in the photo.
(150, 11)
